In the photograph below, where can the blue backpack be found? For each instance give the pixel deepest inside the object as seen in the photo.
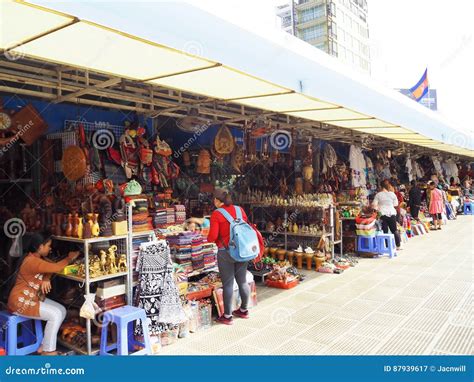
(243, 241)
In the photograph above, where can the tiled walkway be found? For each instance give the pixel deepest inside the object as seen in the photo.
(418, 303)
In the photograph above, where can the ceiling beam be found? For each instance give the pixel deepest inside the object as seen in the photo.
(87, 90)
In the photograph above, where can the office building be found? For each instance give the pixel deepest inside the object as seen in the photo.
(337, 27)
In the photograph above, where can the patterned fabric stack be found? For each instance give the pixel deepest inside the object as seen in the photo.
(181, 250)
(180, 213)
(170, 219)
(209, 252)
(141, 220)
(159, 217)
(197, 255)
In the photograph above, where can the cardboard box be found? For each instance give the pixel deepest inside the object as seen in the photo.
(120, 228)
(112, 291)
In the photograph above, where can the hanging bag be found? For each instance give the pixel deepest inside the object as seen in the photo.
(129, 153)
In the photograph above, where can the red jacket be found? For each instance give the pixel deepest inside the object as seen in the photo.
(219, 232)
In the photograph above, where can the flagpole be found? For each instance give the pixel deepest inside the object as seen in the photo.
(428, 92)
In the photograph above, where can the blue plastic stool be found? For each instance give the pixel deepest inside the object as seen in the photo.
(124, 317)
(468, 208)
(386, 244)
(367, 244)
(30, 339)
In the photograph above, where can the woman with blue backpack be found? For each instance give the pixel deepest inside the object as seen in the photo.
(237, 244)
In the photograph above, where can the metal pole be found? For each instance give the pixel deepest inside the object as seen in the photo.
(87, 289)
(129, 255)
(331, 222)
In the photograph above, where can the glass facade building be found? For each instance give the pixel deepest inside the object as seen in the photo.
(338, 27)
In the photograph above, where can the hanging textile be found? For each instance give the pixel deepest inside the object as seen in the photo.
(357, 163)
(157, 293)
(437, 166)
(410, 168)
(418, 170)
(371, 178)
(329, 158)
(451, 170)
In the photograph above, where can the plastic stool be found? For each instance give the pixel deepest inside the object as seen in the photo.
(366, 243)
(386, 244)
(468, 208)
(29, 339)
(124, 317)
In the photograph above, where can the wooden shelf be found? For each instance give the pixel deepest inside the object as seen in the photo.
(294, 234)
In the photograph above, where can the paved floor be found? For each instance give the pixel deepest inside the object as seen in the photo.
(418, 303)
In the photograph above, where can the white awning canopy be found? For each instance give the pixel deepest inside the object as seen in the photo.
(178, 46)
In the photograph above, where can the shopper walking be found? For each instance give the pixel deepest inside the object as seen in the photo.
(385, 202)
(436, 206)
(414, 199)
(229, 269)
(32, 284)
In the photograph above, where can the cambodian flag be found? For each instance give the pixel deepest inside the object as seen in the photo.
(421, 88)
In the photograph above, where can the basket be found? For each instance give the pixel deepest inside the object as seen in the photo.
(199, 295)
(281, 284)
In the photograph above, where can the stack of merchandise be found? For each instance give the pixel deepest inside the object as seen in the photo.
(365, 224)
(197, 255)
(141, 220)
(181, 250)
(180, 214)
(209, 252)
(170, 218)
(159, 218)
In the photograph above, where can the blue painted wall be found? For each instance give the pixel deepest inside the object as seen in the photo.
(56, 114)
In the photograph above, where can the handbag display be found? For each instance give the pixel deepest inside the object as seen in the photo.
(28, 124)
(162, 148)
(130, 156)
(204, 162)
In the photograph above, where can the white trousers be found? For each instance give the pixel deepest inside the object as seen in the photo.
(54, 314)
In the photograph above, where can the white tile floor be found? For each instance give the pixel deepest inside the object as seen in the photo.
(418, 303)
